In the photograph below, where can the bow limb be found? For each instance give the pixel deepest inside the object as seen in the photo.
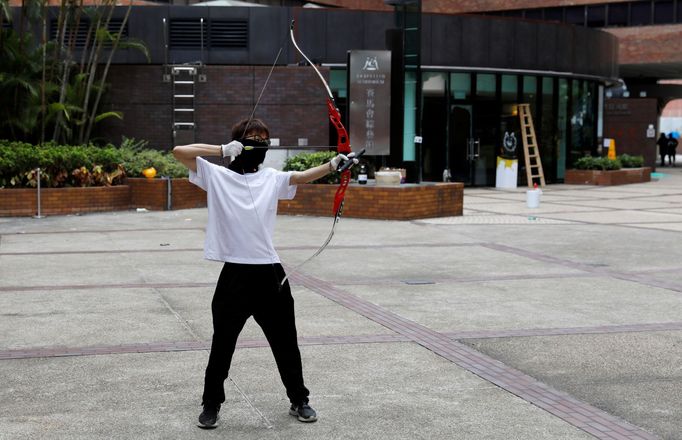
(342, 140)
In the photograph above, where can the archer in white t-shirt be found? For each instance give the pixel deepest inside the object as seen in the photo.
(242, 208)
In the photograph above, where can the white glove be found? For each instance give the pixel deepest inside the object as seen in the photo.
(233, 149)
(342, 158)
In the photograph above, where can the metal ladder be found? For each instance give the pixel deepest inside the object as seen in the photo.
(183, 79)
(530, 147)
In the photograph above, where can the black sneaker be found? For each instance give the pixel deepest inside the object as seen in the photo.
(208, 419)
(303, 412)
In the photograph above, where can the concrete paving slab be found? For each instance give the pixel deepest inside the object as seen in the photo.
(677, 227)
(616, 248)
(545, 207)
(101, 269)
(636, 376)
(106, 221)
(631, 204)
(526, 304)
(157, 240)
(408, 264)
(617, 216)
(85, 317)
(493, 219)
(134, 396)
(405, 392)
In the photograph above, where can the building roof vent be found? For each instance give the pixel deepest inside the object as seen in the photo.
(229, 34)
(81, 33)
(185, 34)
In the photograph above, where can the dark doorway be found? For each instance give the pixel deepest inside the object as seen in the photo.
(434, 125)
(462, 158)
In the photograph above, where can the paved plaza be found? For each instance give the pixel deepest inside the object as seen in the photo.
(560, 322)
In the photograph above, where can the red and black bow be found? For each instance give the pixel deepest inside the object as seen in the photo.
(342, 147)
(342, 140)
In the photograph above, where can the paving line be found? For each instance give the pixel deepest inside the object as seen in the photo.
(199, 345)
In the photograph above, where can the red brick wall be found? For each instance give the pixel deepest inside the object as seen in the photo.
(153, 194)
(403, 202)
(186, 195)
(148, 193)
(617, 177)
(649, 44)
(137, 193)
(292, 106)
(59, 201)
(459, 6)
(673, 109)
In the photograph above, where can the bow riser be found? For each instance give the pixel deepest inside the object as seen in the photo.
(342, 142)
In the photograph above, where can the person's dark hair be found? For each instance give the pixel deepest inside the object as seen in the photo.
(244, 127)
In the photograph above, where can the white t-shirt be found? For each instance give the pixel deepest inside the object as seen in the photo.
(241, 216)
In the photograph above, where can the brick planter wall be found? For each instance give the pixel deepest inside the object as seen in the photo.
(404, 202)
(59, 201)
(615, 177)
(153, 194)
(136, 193)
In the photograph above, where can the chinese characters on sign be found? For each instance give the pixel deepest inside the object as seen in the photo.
(370, 101)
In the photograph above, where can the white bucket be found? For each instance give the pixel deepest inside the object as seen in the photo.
(533, 198)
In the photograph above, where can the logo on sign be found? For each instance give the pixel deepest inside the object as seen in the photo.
(509, 142)
(371, 63)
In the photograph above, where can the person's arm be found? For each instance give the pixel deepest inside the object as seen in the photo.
(312, 174)
(187, 154)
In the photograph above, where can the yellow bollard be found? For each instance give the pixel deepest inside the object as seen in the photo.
(612, 149)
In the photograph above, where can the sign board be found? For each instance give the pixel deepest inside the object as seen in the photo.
(370, 101)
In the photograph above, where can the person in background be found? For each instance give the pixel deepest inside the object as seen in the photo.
(662, 143)
(672, 149)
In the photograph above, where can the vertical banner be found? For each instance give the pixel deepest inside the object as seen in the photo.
(370, 101)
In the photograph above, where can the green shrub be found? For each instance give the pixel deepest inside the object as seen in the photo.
(303, 161)
(631, 161)
(135, 158)
(60, 165)
(83, 165)
(597, 163)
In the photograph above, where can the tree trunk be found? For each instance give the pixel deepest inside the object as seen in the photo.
(91, 119)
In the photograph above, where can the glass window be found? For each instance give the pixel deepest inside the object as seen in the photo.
(554, 14)
(337, 82)
(618, 14)
(562, 125)
(640, 13)
(583, 127)
(679, 11)
(548, 139)
(664, 11)
(596, 16)
(530, 91)
(460, 86)
(485, 85)
(433, 84)
(510, 88)
(575, 15)
(409, 111)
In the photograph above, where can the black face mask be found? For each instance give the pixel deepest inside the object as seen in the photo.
(249, 160)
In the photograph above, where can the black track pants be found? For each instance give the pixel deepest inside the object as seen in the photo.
(246, 290)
